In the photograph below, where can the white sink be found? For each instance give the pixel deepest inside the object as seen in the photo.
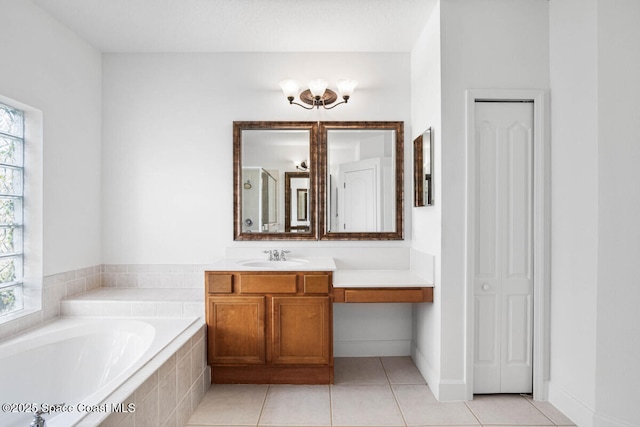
(260, 262)
(274, 264)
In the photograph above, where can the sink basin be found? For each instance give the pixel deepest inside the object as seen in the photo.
(273, 264)
(253, 263)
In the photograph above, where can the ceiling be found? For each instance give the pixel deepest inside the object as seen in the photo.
(244, 25)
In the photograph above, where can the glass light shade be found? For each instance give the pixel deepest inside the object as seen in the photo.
(346, 87)
(317, 87)
(290, 87)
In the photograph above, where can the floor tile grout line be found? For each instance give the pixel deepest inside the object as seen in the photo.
(384, 370)
(264, 402)
(538, 409)
(553, 424)
(473, 413)
(404, 420)
(331, 404)
(395, 398)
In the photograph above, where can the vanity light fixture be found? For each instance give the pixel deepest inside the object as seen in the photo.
(318, 95)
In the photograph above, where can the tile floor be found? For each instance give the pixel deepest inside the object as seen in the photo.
(386, 391)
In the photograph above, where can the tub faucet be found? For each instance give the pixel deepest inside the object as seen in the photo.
(38, 421)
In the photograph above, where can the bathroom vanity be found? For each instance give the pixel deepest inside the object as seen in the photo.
(271, 322)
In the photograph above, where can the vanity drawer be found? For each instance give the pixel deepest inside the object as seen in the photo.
(219, 283)
(316, 284)
(267, 283)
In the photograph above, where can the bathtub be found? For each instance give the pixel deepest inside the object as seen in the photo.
(80, 363)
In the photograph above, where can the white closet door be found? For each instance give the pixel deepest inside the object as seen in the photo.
(503, 285)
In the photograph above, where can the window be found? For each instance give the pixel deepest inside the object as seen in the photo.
(11, 208)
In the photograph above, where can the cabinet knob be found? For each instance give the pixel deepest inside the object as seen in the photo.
(485, 287)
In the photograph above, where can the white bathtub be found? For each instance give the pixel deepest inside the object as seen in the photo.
(79, 362)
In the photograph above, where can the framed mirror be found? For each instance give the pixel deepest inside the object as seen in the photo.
(423, 169)
(361, 180)
(274, 180)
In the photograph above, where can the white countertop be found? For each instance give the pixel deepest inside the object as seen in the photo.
(341, 278)
(262, 264)
(378, 279)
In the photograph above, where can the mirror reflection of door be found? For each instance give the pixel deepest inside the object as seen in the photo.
(259, 199)
(361, 167)
(269, 200)
(358, 196)
(296, 190)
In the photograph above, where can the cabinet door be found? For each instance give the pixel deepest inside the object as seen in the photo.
(301, 330)
(236, 330)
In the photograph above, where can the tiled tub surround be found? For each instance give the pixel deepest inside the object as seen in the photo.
(125, 302)
(167, 392)
(55, 288)
(83, 361)
(171, 290)
(168, 389)
(154, 276)
(62, 286)
(170, 386)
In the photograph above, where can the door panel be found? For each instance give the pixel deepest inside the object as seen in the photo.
(519, 203)
(486, 219)
(503, 281)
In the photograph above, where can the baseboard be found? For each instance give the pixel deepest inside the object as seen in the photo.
(371, 348)
(428, 372)
(453, 391)
(605, 421)
(443, 390)
(579, 413)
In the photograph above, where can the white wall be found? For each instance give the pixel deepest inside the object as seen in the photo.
(47, 67)
(426, 236)
(167, 160)
(618, 330)
(484, 44)
(575, 196)
(167, 139)
(595, 61)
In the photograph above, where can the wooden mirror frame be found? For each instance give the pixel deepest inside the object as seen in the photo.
(398, 234)
(419, 177)
(238, 127)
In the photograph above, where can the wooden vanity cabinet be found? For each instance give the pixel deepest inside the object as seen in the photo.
(269, 327)
(236, 327)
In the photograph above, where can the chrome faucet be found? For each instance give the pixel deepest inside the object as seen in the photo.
(275, 255)
(38, 421)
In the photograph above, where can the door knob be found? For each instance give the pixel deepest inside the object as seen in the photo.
(485, 287)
